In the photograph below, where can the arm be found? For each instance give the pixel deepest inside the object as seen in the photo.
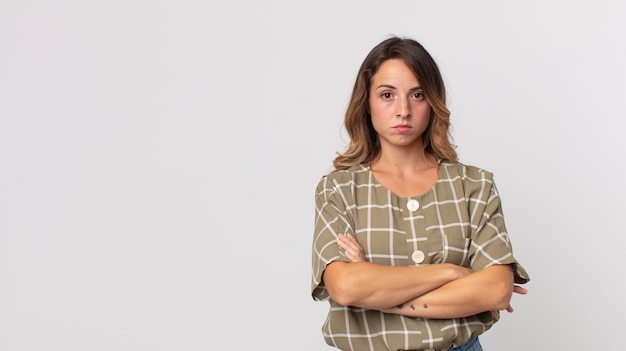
(381, 287)
(378, 287)
(489, 289)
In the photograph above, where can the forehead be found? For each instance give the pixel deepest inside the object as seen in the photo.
(394, 70)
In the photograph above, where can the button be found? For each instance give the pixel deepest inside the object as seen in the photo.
(418, 256)
(413, 205)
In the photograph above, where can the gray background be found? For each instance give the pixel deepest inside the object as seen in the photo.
(158, 162)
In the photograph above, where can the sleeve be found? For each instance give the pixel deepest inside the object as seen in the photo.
(331, 219)
(490, 240)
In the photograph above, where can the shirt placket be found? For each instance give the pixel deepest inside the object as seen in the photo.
(416, 241)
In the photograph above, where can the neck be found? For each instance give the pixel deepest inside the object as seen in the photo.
(404, 162)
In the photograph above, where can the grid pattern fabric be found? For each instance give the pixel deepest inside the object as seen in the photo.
(458, 221)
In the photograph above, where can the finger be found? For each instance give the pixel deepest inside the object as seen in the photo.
(349, 238)
(345, 247)
(519, 290)
(348, 252)
(342, 244)
(344, 241)
(353, 257)
(352, 243)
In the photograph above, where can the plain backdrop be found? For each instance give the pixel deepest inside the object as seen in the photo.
(158, 161)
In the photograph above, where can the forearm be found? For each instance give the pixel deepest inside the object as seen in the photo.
(489, 289)
(379, 287)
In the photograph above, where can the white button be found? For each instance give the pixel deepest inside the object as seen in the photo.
(418, 256)
(413, 205)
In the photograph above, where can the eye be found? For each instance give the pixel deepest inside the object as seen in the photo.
(386, 95)
(418, 95)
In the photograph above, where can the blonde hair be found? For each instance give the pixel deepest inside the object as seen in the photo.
(364, 144)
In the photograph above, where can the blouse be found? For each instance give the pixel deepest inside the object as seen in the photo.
(459, 220)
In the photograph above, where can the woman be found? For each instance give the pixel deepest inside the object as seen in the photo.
(410, 246)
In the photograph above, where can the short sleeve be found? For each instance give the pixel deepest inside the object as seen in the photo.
(331, 219)
(490, 241)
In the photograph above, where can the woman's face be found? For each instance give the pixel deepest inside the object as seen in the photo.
(399, 110)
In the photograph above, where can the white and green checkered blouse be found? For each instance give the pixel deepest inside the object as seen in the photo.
(458, 221)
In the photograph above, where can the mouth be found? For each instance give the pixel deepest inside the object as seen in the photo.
(402, 128)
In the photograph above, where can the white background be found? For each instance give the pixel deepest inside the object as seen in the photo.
(158, 161)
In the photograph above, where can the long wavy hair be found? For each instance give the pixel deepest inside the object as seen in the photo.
(364, 143)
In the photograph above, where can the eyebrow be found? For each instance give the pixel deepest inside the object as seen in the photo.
(389, 86)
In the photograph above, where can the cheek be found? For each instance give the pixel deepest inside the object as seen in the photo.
(377, 118)
(377, 114)
(422, 107)
(371, 105)
(377, 109)
(422, 112)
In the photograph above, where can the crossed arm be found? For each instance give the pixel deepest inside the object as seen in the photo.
(430, 291)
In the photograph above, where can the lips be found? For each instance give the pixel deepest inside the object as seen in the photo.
(402, 128)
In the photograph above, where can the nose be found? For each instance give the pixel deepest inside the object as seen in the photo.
(402, 107)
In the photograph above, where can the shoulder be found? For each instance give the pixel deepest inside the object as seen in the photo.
(343, 184)
(352, 175)
(474, 182)
(467, 173)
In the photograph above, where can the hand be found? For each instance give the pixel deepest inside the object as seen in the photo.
(351, 248)
(516, 289)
